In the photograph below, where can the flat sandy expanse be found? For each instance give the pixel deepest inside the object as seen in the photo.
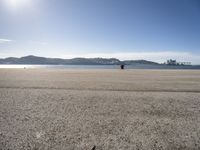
(111, 109)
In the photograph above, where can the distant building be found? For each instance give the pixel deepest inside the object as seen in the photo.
(171, 62)
(184, 63)
(174, 62)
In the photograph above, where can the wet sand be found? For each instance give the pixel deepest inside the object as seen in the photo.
(112, 109)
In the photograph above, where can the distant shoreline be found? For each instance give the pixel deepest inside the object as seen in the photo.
(36, 60)
(60, 66)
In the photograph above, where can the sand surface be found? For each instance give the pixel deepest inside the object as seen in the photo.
(43, 109)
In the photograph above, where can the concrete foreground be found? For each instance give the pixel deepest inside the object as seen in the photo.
(44, 109)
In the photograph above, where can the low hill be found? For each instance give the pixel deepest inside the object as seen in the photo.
(138, 62)
(75, 61)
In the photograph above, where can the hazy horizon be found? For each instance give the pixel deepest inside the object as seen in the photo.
(154, 30)
(97, 56)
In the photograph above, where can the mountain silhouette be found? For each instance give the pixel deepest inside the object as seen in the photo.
(75, 61)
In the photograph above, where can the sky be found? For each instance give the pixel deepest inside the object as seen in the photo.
(154, 30)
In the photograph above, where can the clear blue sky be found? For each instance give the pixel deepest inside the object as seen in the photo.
(127, 29)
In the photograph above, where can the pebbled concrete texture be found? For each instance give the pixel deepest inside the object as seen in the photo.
(111, 109)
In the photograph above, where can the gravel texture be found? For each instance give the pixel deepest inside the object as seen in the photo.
(109, 109)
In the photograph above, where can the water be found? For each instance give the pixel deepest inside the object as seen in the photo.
(60, 66)
(140, 66)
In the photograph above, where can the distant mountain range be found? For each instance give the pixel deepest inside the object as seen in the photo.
(75, 61)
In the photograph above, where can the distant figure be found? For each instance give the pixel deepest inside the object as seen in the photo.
(122, 67)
